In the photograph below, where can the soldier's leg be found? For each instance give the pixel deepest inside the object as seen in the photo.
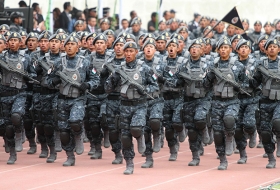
(104, 123)
(77, 114)
(250, 123)
(230, 115)
(50, 139)
(176, 120)
(88, 133)
(266, 112)
(127, 150)
(258, 126)
(138, 121)
(149, 150)
(58, 147)
(10, 133)
(276, 128)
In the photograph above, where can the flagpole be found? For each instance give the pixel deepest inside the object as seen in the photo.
(100, 9)
(51, 17)
(28, 22)
(120, 13)
(212, 29)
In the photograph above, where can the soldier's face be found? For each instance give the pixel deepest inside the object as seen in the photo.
(213, 23)
(84, 42)
(220, 28)
(224, 51)
(181, 45)
(71, 48)
(238, 31)
(245, 25)
(104, 26)
(195, 51)
(110, 41)
(172, 50)
(119, 49)
(208, 48)
(231, 30)
(32, 44)
(261, 45)
(3, 31)
(2, 45)
(174, 25)
(203, 23)
(23, 40)
(257, 27)
(136, 27)
(79, 27)
(130, 54)
(162, 26)
(62, 48)
(129, 40)
(55, 45)
(202, 49)
(244, 51)
(234, 43)
(272, 50)
(140, 41)
(149, 50)
(160, 45)
(14, 44)
(44, 45)
(100, 46)
(209, 35)
(89, 43)
(268, 29)
(184, 33)
(125, 24)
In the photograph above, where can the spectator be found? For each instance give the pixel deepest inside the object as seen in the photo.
(166, 15)
(39, 17)
(37, 27)
(22, 4)
(79, 15)
(65, 17)
(124, 28)
(172, 13)
(195, 22)
(152, 22)
(91, 27)
(56, 13)
(133, 14)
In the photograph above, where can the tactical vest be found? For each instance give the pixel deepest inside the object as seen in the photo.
(221, 88)
(127, 91)
(12, 79)
(96, 62)
(196, 89)
(257, 55)
(66, 88)
(154, 65)
(173, 69)
(271, 87)
(48, 67)
(250, 68)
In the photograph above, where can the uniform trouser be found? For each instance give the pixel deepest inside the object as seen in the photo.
(194, 117)
(269, 117)
(131, 118)
(70, 111)
(154, 111)
(113, 112)
(93, 123)
(27, 118)
(171, 115)
(246, 121)
(222, 110)
(13, 108)
(44, 118)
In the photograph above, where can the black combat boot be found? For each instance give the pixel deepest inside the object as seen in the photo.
(70, 159)
(118, 158)
(18, 142)
(243, 157)
(195, 159)
(98, 152)
(252, 140)
(271, 161)
(173, 153)
(129, 167)
(149, 162)
(141, 144)
(205, 136)
(44, 151)
(79, 144)
(223, 163)
(57, 141)
(52, 156)
(13, 156)
(33, 146)
(278, 147)
(260, 145)
(92, 148)
(106, 139)
(157, 141)
(229, 144)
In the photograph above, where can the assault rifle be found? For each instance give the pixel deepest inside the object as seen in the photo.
(14, 70)
(72, 82)
(267, 73)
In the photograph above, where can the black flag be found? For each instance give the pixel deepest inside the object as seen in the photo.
(233, 18)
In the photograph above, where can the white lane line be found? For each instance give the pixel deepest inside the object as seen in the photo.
(83, 176)
(178, 178)
(265, 183)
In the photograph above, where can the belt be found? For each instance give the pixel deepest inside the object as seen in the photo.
(243, 96)
(98, 92)
(189, 99)
(60, 96)
(45, 91)
(223, 99)
(113, 97)
(133, 102)
(267, 101)
(11, 93)
(170, 96)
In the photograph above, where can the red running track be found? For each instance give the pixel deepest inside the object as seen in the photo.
(31, 172)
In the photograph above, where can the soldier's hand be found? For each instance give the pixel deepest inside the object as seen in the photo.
(179, 82)
(161, 79)
(141, 91)
(104, 72)
(116, 77)
(56, 81)
(210, 75)
(84, 86)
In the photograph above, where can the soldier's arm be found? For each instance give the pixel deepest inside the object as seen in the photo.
(152, 84)
(256, 80)
(92, 77)
(30, 69)
(208, 80)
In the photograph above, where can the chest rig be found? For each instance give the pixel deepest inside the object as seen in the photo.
(195, 88)
(128, 91)
(250, 68)
(12, 79)
(221, 87)
(66, 88)
(271, 87)
(48, 66)
(172, 69)
(96, 62)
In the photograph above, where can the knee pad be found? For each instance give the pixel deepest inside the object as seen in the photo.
(218, 138)
(238, 133)
(49, 130)
(16, 119)
(229, 122)
(200, 125)
(266, 137)
(154, 124)
(126, 141)
(169, 134)
(136, 132)
(40, 129)
(28, 124)
(276, 125)
(10, 131)
(192, 134)
(113, 136)
(76, 126)
(65, 137)
(178, 127)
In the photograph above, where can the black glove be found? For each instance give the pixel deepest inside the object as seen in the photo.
(211, 76)
(56, 81)
(38, 69)
(104, 72)
(116, 77)
(161, 79)
(84, 86)
(179, 82)
(141, 91)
